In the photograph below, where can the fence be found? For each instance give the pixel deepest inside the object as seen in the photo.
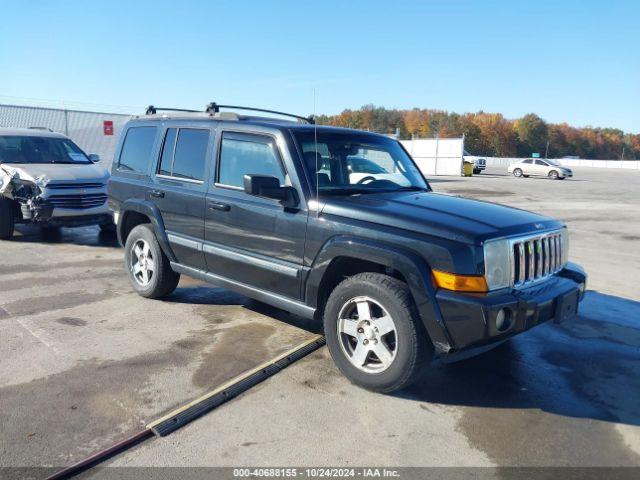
(569, 162)
(94, 132)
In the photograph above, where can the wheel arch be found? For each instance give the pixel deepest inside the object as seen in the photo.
(136, 212)
(344, 256)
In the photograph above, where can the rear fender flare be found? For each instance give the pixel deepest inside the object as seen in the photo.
(153, 213)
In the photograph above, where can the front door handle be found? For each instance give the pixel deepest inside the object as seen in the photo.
(156, 193)
(223, 207)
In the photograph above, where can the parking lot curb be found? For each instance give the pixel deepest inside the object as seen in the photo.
(232, 388)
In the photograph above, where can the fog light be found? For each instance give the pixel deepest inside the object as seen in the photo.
(503, 320)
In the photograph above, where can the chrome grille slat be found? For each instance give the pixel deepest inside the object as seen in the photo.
(77, 202)
(536, 257)
(70, 186)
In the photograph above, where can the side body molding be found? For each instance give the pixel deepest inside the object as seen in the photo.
(414, 269)
(150, 210)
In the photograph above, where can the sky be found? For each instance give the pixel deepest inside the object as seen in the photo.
(568, 61)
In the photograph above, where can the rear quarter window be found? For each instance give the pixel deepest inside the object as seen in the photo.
(137, 149)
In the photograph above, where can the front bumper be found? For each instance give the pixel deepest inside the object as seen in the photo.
(471, 319)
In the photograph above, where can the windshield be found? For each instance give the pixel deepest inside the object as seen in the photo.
(31, 149)
(348, 163)
(552, 162)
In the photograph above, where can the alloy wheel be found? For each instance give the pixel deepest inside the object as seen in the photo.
(142, 262)
(367, 334)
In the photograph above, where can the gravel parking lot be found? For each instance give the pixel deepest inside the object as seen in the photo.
(86, 362)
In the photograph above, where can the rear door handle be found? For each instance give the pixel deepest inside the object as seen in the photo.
(223, 207)
(156, 193)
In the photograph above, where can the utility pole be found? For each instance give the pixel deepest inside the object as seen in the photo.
(546, 151)
(622, 156)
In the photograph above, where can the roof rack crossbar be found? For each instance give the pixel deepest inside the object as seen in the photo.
(151, 110)
(215, 108)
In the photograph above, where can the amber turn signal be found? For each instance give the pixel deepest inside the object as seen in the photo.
(460, 283)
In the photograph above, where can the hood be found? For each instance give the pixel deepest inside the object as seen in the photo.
(440, 215)
(43, 173)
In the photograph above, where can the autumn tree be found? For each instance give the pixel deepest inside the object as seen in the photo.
(491, 134)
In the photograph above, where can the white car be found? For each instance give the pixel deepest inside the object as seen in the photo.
(46, 179)
(540, 167)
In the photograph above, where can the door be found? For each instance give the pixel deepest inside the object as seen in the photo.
(542, 168)
(249, 239)
(528, 167)
(179, 191)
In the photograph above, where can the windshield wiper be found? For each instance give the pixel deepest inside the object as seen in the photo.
(411, 188)
(347, 191)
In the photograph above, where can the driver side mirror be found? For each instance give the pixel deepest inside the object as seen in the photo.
(94, 157)
(269, 187)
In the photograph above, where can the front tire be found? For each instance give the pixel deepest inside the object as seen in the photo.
(517, 172)
(553, 175)
(6, 219)
(374, 334)
(148, 267)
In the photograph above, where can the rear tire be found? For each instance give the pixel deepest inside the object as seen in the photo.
(7, 220)
(148, 267)
(388, 350)
(517, 172)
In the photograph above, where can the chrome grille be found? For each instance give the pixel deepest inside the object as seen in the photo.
(72, 186)
(78, 202)
(537, 257)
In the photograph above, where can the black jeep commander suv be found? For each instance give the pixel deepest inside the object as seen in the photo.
(338, 225)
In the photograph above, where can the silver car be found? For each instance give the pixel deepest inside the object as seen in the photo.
(46, 179)
(539, 167)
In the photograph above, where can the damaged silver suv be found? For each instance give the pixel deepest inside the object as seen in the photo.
(48, 180)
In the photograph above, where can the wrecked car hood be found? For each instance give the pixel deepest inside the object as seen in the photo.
(43, 173)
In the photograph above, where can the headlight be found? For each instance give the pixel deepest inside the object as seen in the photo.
(497, 266)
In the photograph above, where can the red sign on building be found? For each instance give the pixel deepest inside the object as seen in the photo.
(107, 127)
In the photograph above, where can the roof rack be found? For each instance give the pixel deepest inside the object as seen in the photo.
(215, 108)
(151, 110)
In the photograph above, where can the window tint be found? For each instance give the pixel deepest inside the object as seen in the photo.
(136, 151)
(540, 162)
(190, 155)
(167, 152)
(249, 154)
(527, 161)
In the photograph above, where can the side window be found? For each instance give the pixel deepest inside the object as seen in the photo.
(184, 153)
(248, 154)
(540, 162)
(136, 150)
(166, 161)
(527, 161)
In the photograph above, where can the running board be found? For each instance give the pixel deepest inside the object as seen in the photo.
(278, 301)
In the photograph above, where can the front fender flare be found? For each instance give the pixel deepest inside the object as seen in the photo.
(415, 270)
(153, 213)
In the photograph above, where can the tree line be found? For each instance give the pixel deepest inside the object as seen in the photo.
(492, 134)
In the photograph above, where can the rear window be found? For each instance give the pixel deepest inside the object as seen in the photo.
(137, 148)
(184, 153)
